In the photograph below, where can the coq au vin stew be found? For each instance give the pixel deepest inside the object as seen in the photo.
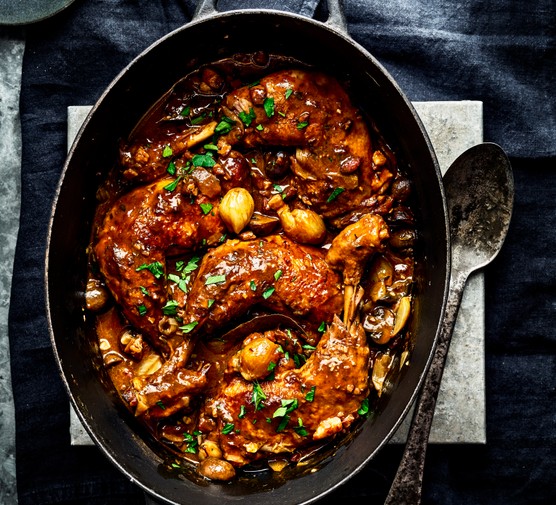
(251, 266)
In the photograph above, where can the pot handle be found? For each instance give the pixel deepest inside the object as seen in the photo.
(336, 18)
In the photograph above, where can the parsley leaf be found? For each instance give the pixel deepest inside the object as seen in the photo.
(206, 207)
(167, 151)
(247, 118)
(268, 292)
(228, 428)
(156, 268)
(171, 308)
(268, 106)
(203, 160)
(225, 126)
(173, 185)
(364, 409)
(215, 279)
(258, 396)
(187, 328)
(335, 194)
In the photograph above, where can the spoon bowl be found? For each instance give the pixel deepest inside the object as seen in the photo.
(479, 191)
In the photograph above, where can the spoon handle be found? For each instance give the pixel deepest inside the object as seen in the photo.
(407, 484)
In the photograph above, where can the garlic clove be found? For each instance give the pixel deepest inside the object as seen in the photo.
(236, 209)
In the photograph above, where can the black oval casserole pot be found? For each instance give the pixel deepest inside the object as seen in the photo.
(210, 37)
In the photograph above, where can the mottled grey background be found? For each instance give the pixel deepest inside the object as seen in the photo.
(11, 55)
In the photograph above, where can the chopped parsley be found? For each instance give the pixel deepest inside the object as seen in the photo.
(364, 409)
(268, 292)
(203, 160)
(228, 428)
(167, 151)
(141, 309)
(268, 106)
(300, 429)
(187, 328)
(247, 118)
(310, 396)
(156, 268)
(225, 126)
(322, 327)
(170, 308)
(215, 279)
(173, 185)
(335, 194)
(242, 412)
(180, 281)
(206, 207)
(258, 396)
(253, 286)
(189, 267)
(302, 124)
(288, 93)
(191, 443)
(277, 274)
(287, 407)
(171, 168)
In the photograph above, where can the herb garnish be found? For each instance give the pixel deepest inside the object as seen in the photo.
(215, 279)
(156, 268)
(268, 106)
(187, 328)
(206, 207)
(173, 185)
(247, 118)
(258, 396)
(191, 442)
(225, 126)
(203, 160)
(170, 308)
(310, 396)
(167, 151)
(268, 292)
(335, 194)
(300, 429)
(364, 409)
(228, 428)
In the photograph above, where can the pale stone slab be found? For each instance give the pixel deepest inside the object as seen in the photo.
(453, 127)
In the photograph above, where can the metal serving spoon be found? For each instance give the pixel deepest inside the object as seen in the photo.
(479, 191)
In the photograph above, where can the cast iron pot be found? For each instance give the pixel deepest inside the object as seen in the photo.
(211, 36)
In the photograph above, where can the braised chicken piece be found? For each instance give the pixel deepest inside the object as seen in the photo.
(351, 250)
(138, 232)
(313, 402)
(275, 273)
(311, 113)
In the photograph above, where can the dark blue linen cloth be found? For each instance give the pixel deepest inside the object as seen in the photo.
(502, 52)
